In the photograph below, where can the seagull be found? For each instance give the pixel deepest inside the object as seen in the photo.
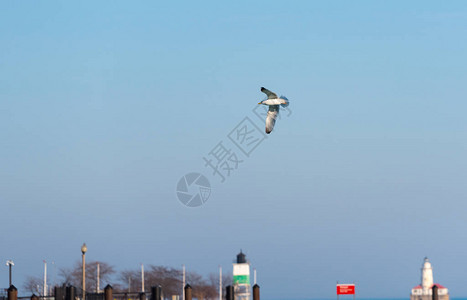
(274, 103)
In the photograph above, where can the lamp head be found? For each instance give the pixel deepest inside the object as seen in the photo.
(84, 248)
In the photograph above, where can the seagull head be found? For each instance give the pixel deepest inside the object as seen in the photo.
(260, 102)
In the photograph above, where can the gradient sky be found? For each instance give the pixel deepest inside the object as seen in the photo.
(104, 106)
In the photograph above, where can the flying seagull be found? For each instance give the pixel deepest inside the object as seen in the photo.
(274, 103)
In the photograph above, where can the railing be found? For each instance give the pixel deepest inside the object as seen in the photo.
(38, 297)
(126, 296)
(72, 293)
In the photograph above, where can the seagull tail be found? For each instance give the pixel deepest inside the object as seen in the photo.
(286, 101)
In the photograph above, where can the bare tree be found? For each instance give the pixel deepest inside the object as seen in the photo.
(73, 276)
(167, 277)
(105, 274)
(203, 289)
(214, 280)
(67, 277)
(170, 279)
(34, 285)
(131, 279)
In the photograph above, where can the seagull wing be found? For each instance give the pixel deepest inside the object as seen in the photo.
(270, 94)
(271, 118)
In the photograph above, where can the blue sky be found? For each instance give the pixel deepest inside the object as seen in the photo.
(105, 105)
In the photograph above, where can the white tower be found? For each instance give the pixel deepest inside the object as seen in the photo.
(241, 278)
(424, 291)
(427, 276)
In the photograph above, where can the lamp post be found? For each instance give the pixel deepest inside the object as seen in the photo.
(83, 251)
(10, 263)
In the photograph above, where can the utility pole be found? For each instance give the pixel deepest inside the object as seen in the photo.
(98, 278)
(45, 279)
(142, 278)
(254, 276)
(220, 282)
(183, 288)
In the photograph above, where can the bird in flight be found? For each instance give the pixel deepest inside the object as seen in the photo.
(274, 104)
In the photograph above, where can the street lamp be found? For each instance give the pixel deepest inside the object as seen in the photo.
(83, 251)
(10, 263)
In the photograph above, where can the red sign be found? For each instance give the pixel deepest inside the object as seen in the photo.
(346, 289)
